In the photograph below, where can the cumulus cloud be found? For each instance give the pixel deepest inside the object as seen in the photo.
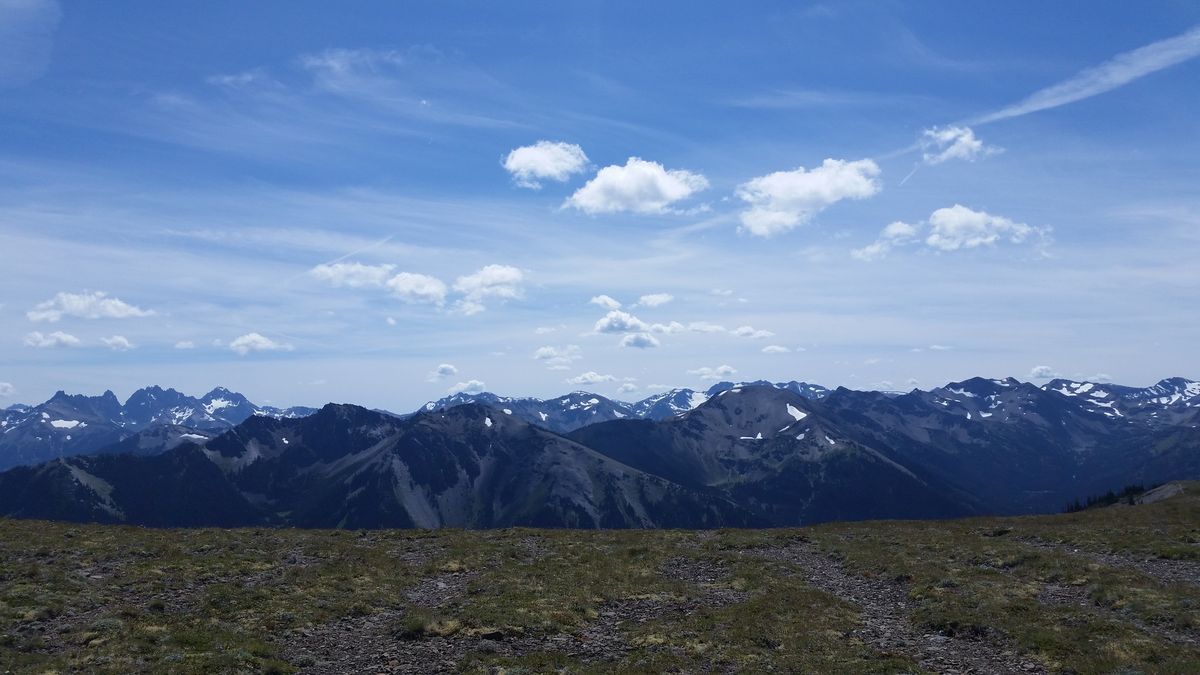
(640, 341)
(352, 274)
(672, 327)
(705, 327)
(1043, 373)
(590, 377)
(558, 358)
(720, 372)
(443, 371)
(55, 339)
(544, 160)
(752, 332)
(655, 299)
(417, 288)
(85, 305)
(785, 199)
(626, 388)
(118, 343)
(950, 229)
(255, 342)
(896, 234)
(639, 186)
(958, 227)
(617, 321)
(468, 387)
(493, 281)
(940, 144)
(607, 302)
(6, 389)
(775, 349)
(185, 344)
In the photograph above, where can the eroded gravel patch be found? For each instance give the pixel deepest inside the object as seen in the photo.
(886, 622)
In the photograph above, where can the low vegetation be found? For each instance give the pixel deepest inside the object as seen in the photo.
(1101, 590)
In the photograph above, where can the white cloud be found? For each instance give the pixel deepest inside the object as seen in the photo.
(617, 321)
(492, 281)
(944, 143)
(417, 288)
(254, 342)
(655, 299)
(1043, 373)
(443, 371)
(468, 387)
(607, 302)
(722, 292)
(672, 327)
(958, 227)
(640, 341)
(940, 348)
(558, 358)
(118, 343)
(639, 186)
(185, 344)
(720, 372)
(590, 377)
(775, 349)
(55, 339)
(752, 332)
(391, 321)
(705, 327)
(782, 200)
(626, 388)
(7, 389)
(85, 305)
(352, 274)
(544, 160)
(896, 234)
(1117, 71)
(951, 229)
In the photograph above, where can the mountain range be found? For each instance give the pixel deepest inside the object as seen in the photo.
(738, 454)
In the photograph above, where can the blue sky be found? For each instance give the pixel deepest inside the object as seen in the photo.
(386, 203)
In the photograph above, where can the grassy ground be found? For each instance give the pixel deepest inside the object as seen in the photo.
(1108, 590)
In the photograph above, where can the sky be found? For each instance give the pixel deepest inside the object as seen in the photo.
(387, 202)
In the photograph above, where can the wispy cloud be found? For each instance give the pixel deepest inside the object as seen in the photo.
(1116, 72)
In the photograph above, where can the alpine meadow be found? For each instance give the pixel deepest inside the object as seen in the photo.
(599, 337)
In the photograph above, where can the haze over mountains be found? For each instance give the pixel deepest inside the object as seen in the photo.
(736, 455)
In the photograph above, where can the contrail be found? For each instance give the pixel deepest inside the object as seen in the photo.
(1115, 72)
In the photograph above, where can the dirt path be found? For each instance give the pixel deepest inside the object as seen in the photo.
(1160, 569)
(886, 623)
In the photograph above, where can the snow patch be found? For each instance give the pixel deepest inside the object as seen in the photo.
(796, 412)
(487, 421)
(66, 424)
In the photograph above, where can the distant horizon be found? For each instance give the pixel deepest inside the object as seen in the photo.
(383, 205)
(124, 398)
